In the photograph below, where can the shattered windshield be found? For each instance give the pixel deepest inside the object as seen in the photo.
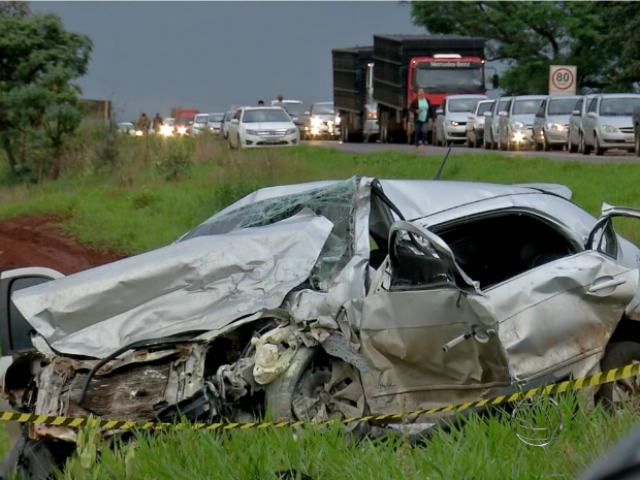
(336, 202)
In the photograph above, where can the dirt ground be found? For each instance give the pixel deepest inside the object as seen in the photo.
(39, 242)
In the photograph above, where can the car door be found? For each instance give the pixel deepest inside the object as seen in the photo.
(589, 122)
(15, 332)
(234, 128)
(538, 122)
(421, 304)
(574, 122)
(559, 316)
(504, 122)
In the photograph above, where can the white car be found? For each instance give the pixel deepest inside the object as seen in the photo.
(262, 127)
(574, 144)
(551, 124)
(199, 124)
(609, 123)
(475, 123)
(286, 103)
(126, 128)
(515, 124)
(451, 118)
(491, 123)
(214, 123)
(226, 120)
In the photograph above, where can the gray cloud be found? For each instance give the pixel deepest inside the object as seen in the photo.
(208, 55)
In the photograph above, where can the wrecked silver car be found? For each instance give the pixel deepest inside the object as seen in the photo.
(335, 298)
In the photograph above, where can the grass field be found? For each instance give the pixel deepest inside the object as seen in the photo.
(132, 207)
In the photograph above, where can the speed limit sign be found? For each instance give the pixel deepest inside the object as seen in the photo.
(562, 80)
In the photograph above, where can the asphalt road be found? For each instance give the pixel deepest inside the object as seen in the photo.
(612, 156)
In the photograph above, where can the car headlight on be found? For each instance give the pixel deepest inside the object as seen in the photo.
(338, 120)
(453, 123)
(182, 130)
(139, 133)
(555, 126)
(166, 130)
(372, 115)
(315, 122)
(518, 137)
(291, 131)
(517, 125)
(609, 129)
(251, 132)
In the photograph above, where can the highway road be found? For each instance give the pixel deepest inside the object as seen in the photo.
(613, 156)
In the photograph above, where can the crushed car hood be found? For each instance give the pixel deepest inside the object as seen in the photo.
(201, 284)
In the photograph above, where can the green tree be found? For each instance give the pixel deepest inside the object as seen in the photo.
(15, 8)
(39, 104)
(530, 36)
(624, 38)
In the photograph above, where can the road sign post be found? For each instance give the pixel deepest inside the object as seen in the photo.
(562, 80)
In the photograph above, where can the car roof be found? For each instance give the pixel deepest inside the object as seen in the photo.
(263, 107)
(566, 97)
(530, 97)
(419, 198)
(467, 95)
(619, 95)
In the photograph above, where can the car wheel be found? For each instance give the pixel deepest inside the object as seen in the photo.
(586, 149)
(598, 149)
(469, 143)
(545, 144)
(487, 145)
(305, 391)
(618, 354)
(34, 459)
(230, 143)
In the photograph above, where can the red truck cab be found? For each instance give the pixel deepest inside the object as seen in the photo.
(446, 74)
(184, 120)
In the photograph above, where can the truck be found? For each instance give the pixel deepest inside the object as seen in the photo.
(440, 64)
(183, 119)
(353, 93)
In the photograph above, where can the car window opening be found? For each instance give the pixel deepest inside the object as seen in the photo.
(494, 249)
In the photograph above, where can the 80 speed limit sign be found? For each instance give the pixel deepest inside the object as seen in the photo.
(562, 80)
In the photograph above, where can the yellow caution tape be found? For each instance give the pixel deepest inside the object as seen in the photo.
(601, 378)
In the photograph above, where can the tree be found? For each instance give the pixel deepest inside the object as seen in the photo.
(39, 105)
(624, 37)
(15, 8)
(530, 36)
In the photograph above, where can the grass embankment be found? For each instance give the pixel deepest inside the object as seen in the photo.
(121, 200)
(132, 208)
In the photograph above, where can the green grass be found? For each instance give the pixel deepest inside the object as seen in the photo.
(148, 212)
(481, 449)
(133, 209)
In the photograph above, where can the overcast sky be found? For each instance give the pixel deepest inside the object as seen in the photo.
(152, 56)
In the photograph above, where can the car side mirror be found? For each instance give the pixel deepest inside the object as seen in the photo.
(190, 122)
(307, 113)
(235, 121)
(503, 114)
(487, 114)
(439, 112)
(576, 113)
(470, 116)
(592, 115)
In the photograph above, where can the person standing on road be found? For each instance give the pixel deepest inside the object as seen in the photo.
(157, 122)
(280, 103)
(420, 109)
(143, 122)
